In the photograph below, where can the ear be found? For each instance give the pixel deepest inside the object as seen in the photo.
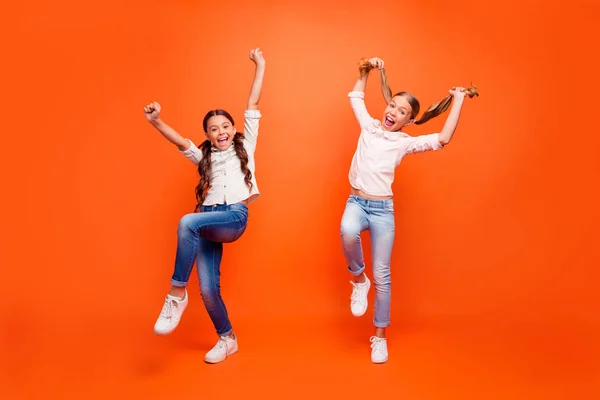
(234, 131)
(409, 122)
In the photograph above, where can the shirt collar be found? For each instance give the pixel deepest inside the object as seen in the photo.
(230, 149)
(377, 131)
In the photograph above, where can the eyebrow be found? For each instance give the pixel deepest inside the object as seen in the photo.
(394, 103)
(217, 125)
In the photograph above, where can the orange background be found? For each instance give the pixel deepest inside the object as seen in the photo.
(495, 267)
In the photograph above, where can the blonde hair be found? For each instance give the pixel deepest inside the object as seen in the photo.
(433, 111)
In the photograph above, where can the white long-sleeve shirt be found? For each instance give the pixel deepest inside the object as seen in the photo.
(227, 180)
(379, 152)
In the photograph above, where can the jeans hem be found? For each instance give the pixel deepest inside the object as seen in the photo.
(227, 333)
(178, 283)
(381, 324)
(356, 273)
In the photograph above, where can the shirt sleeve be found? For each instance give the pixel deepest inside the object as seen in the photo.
(357, 103)
(194, 154)
(251, 118)
(422, 143)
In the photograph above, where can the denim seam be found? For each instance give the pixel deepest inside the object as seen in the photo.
(218, 293)
(195, 254)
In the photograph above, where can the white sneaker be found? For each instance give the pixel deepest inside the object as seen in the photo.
(379, 352)
(358, 299)
(225, 347)
(171, 314)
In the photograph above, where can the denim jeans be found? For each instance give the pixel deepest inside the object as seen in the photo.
(200, 238)
(377, 216)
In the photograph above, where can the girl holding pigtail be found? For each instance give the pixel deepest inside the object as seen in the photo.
(381, 147)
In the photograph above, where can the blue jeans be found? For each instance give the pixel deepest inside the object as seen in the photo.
(200, 238)
(377, 216)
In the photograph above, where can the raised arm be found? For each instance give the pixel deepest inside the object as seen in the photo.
(152, 113)
(452, 121)
(357, 95)
(258, 59)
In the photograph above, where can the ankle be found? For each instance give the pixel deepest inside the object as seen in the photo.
(362, 278)
(380, 333)
(177, 292)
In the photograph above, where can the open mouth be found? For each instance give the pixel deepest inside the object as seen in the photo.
(388, 122)
(223, 140)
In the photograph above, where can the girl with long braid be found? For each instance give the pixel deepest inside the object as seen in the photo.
(227, 186)
(381, 147)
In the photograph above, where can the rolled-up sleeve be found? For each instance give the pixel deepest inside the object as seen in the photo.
(357, 102)
(422, 143)
(193, 153)
(251, 122)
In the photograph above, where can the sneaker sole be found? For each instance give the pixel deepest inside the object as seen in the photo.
(164, 333)
(218, 361)
(361, 314)
(379, 362)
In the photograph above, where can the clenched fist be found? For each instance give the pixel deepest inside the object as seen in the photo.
(152, 111)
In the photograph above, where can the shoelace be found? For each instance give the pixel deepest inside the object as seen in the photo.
(377, 343)
(222, 343)
(356, 296)
(167, 311)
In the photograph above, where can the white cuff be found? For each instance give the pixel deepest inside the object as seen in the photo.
(190, 150)
(436, 143)
(356, 94)
(252, 114)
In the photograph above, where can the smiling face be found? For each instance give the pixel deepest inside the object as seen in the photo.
(219, 129)
(220, 132)
(397, 114)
